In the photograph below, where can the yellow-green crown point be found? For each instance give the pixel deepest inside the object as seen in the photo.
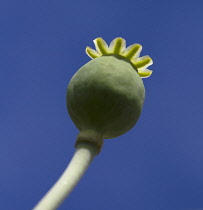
(118, 47)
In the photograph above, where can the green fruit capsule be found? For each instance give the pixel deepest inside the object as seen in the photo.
(105, 96)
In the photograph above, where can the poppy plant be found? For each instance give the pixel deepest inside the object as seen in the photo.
(104, 100)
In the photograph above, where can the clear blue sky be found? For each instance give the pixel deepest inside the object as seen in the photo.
(158, 165)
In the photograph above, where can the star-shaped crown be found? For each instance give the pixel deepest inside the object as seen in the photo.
(118, 47)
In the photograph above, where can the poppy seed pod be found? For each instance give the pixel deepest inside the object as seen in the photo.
(105, 96)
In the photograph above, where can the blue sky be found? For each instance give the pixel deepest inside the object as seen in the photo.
(159, 163)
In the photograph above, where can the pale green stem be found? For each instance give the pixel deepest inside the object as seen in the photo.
(84, 154)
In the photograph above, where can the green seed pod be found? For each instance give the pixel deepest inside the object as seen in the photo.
(106, 95)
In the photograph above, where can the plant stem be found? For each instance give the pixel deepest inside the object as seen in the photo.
(84, 154)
